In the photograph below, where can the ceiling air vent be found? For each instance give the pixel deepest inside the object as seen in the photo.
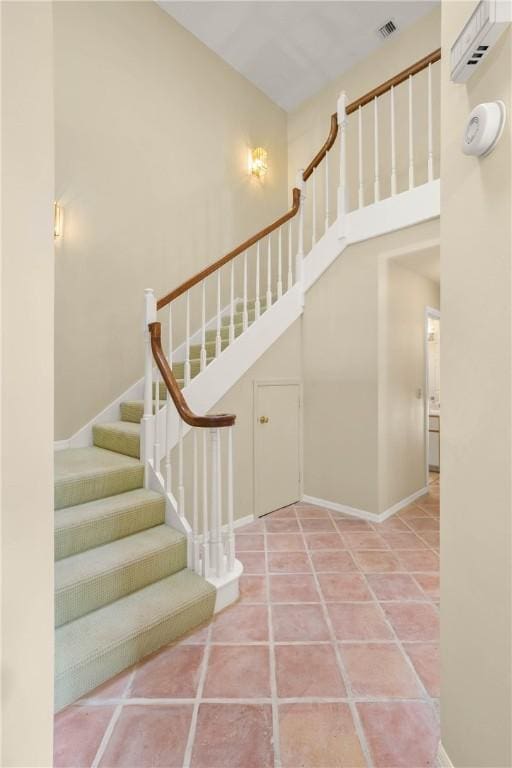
(387, 29)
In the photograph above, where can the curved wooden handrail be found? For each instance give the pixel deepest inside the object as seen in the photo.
(190, 418)
(402, 76)
(231, 255)
(323, 151)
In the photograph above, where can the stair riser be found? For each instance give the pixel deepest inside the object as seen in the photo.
(111, 440)
(78, 491)
(82, 598)
(80, 538)
(74, 684)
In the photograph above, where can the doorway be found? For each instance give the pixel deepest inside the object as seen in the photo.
(432, 394)
(277, 445)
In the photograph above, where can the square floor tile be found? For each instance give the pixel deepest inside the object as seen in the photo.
(284, 525)
(358, 621)
(284, 512)
(411, 511)
(318, 736)
(237, 672)
(413, 621)
(421, 560)
(377, 561)
(307, 670)
(249, 542)
(253, 589)
(403, 540)
(332, 561)
(149, 737)
(311, 512)
(253, 562)
(327, 540)
(241, 623)
(379, 670)
(285, 542)
(288, 562)
(340, 587)
(429, 582)
(351, 524)
(299, 622)
(172, 672)
(364, 540)
(197, 636)
(394, 586)
(316, 525)
(426, 660)
(423, 524)
(78, 732)
(431, 537)
(294, 588)
(393, 523)
(232, 736)
(400, 734)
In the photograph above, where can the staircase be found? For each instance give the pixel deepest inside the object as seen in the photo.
(144, 516)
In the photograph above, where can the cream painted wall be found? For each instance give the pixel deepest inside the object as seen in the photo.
(344, 372)
(308, 125)
(476, 436)
(26, 409)
(403, 296)
(152, 132)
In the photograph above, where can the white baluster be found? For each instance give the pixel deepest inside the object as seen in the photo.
(148, 418)
(195, 506)
(245, 316)
(218, 342)
(231, 536)
(280, 265)
(186, 373)
(169, 336)
(393, 140)
(168, 446)
(411, 147)
(232, 304)
(156, 443)
(290, 275)
(326, 161)
(216, 554)
(376, 183)
(430, 162)
(181, 486)
(202, 359)
(360, 156)
(206, 535)
(299, 259)
(257, 306)
(269, 273)
(221, 566)
(313, 205)
(342, 189)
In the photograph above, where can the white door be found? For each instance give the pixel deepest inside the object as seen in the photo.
(277, 447)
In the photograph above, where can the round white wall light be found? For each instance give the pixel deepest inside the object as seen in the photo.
(484, 128)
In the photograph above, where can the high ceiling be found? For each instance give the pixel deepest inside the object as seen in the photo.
(292, 49)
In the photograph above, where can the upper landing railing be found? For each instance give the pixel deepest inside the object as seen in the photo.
(390, 149)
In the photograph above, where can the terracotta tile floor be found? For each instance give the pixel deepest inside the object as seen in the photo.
(329, 660)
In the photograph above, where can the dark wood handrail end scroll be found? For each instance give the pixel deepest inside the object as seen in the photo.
(212, 421)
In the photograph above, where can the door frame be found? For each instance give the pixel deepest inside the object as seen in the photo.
(257, 383)
(435, 313)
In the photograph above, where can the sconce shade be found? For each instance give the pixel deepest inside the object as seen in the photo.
(57, 221)
(259, 164)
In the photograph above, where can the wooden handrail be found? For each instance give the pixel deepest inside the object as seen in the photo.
(231, 255)
(323, 151)
(423, 63)
(188, 416)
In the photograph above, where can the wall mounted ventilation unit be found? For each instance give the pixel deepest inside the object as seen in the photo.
(387, 29)
(483, 28)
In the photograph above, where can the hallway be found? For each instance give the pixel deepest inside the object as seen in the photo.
(330, 658)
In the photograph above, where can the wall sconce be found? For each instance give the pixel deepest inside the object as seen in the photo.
(258, 165)
(58, 220)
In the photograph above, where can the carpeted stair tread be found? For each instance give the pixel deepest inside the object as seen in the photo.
(98, 646)
(99, 576)
(98, 522)
(85, 474)
(119, 436)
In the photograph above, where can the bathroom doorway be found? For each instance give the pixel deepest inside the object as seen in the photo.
(432, 395)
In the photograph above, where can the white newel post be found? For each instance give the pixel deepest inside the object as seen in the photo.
(147, 430)
(231, 534)
(299, 259)
(342, 189)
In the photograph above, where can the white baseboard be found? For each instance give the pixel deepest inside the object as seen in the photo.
(363, 514)
(241, 521)
(443, 761)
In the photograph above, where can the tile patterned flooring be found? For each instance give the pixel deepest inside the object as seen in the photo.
(329, 659)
